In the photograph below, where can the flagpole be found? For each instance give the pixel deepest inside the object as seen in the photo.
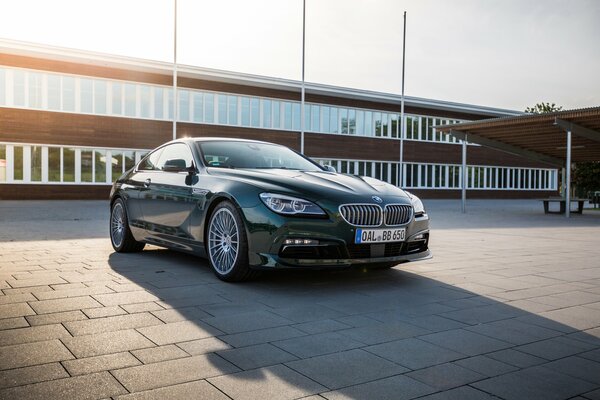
(402, 117)
(175, 71)
(302, 127)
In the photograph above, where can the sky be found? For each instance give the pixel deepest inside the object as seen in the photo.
(500, 53)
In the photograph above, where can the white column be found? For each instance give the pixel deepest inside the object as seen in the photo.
(568, 180)
(464, 175)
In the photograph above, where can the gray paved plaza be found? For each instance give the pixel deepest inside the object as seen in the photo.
(509, 307)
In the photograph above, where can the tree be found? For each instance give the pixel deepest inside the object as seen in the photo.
(542, 108)
(586, 176)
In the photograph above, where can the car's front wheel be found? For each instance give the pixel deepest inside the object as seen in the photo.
(120, 235)
(227, 245)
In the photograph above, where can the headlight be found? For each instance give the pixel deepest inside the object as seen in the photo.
(288, 205)
(416, 203)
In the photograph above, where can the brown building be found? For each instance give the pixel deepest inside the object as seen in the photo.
(71, 122)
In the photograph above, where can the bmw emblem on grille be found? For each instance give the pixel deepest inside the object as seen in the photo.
(377, 199)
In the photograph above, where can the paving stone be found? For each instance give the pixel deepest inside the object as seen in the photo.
(414, 353)
(44, 281)
(514, 331)
(203, 346)
(308, 313)
(445, 376)
(200, 390)
(55, 318)
(114, 323)
(106, 362)
(101, 312)
(435, 323)
(247, 322)
(32, 334)
(180, 314)
(12, 323)
(68, 304)
(385, 332)
(93, 386)
(346, 368)
(555, 348)
(322, 326)
(260, 355)
(115, 299)
(178, 332)
(24, 355)
(141, 307)
(15, 310)
(516, 358)
(151, 376)
(577, 367)
(16, 298)
(106, 343)
(34, 374)
(460, 393)
(486, 366)
(533, 384)
(314, 345)
(62, 293)
(399, 387)
(222, 309)
(160, 353)
(276, 382)
(465, 342)
(593, 395)
(262, 336)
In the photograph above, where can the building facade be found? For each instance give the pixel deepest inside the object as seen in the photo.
(71, 122)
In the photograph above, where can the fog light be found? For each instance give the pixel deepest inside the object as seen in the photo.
(300, 242)
(420, 236)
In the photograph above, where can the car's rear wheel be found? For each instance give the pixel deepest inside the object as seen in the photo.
(227, 245)
(120, 235)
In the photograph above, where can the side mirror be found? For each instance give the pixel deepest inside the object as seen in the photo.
(175, 165)
(329, 168)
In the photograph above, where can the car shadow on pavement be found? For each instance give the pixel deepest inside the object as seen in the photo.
(358, 334)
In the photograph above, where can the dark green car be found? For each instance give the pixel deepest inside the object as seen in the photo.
(250, 205)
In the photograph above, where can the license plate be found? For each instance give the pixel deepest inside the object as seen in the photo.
(379, 235)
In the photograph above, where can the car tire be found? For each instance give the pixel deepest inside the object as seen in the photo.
(227, 244)
(120, 234)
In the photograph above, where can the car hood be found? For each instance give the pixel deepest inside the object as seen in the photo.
(313, 185)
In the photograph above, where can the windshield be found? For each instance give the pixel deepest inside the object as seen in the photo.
(253, 156)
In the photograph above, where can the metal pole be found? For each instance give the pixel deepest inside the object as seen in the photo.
(568, 180)
(464, 175)
(175, 110)
(402, 117)
(302, 127)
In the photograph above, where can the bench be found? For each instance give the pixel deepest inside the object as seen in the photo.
(563, 207)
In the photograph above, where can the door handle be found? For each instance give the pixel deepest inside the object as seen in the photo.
(147, 182)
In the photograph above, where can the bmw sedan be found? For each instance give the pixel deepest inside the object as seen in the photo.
(249, 205)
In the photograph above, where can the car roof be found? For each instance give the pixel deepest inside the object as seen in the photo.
(221, 139)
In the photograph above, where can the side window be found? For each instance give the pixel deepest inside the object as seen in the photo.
(175, 151)
(151, 161)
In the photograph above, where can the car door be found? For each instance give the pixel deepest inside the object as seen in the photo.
(167, 201)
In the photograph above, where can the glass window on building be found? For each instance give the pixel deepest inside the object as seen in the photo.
(159, 103)
(277, 114)
(377, 122)
(130, 99)
(86, 95)
(287, 115)
(245, 111)
(68, 165)
(68, 93)
(334, 123)
(429, 130)
(36, 164)
(35, 89)
(116, 165)
(266, 110)
(344, 120)
(145, 97)
(18, 88)
(385, 125)
(2, 163)
(198, 106)
(325, 115)
(209, 108)
(129, 158)
(222, 109)
(54, 164)
(296, 116)
(183, 106)
(2, 87)
(117, 98)
(99, 96)
(86, 165)
(54, 92)
(315, 118)
(254, 112)
(352, 122)
(394, 126)
(18, 163)
(170, 103)
(100, 166)
(232, 110)
(368, 123)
